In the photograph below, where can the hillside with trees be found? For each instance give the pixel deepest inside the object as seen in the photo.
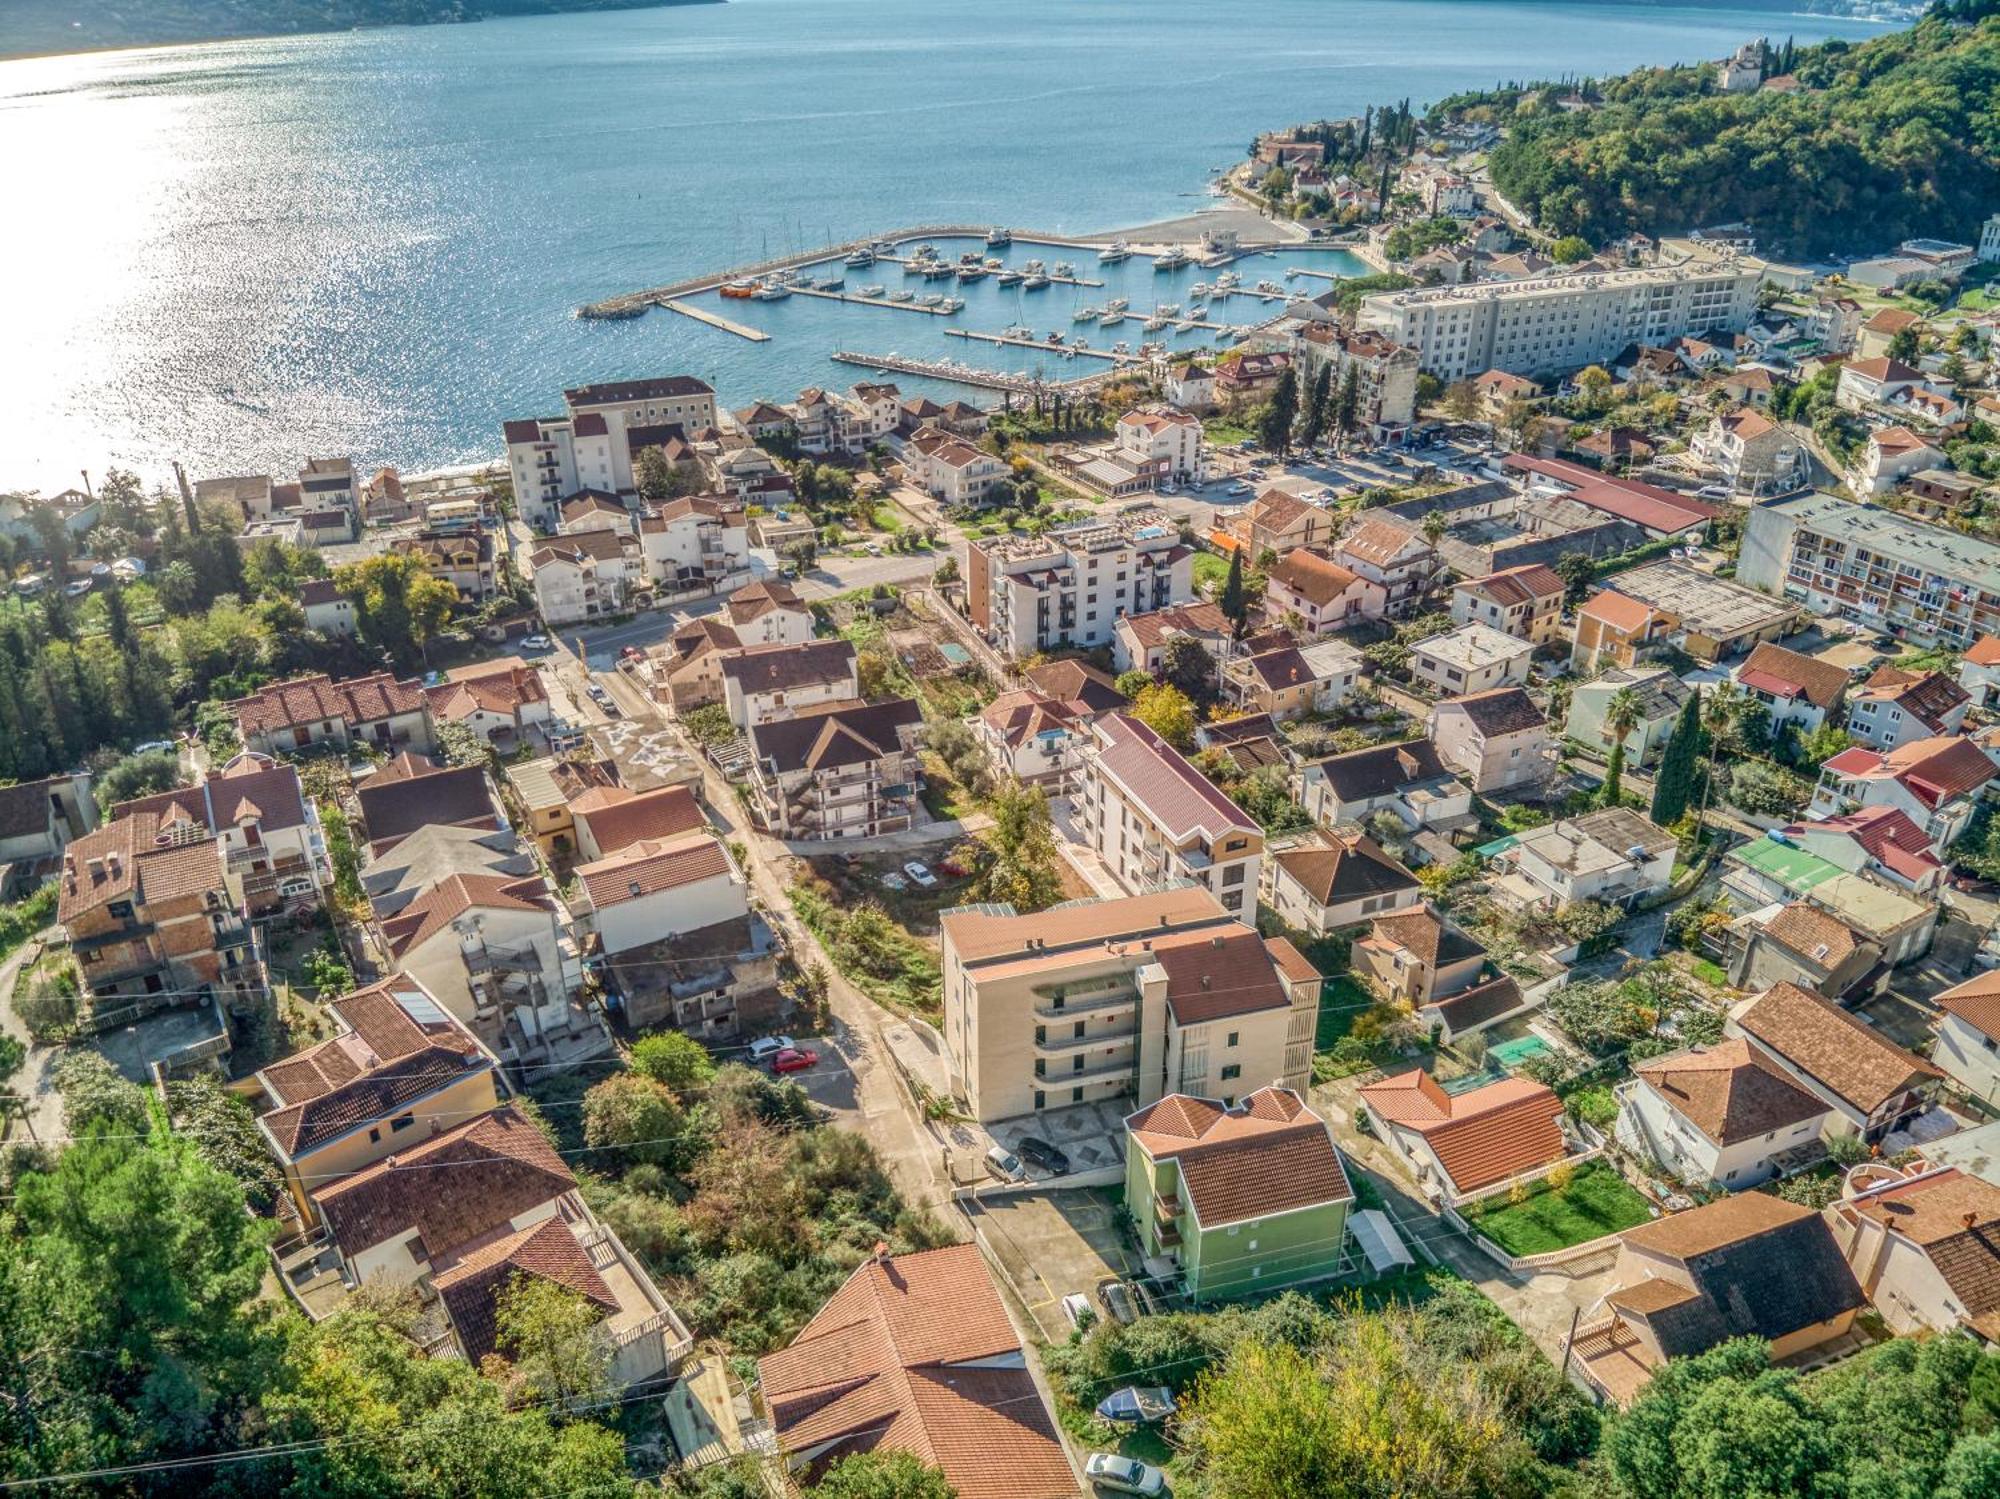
(1887, 140)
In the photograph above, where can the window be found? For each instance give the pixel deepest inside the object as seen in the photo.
(1079, 1028)
(1233, 875)
(1232, 1072)
(1232, 1038)
(1041, 1099)
(1076, 1095)
(403, 1123)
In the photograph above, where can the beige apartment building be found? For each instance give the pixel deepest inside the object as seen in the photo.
(1071, 585)
(1133, 999)
(1155, 820)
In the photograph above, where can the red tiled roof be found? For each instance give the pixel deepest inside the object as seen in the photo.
(647, 868)
(1930, 696)
(1818, 1038)
(309, 700)
(1480, 1137)
(1159, 778)
(1784, 673)
(442, 904)
(1626, 615)
(1645, 505)
(618, 818)
(1270, 1154)
(1976, 1002)
(547, 1250)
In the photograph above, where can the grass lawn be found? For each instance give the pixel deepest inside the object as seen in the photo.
(1221, 431)
(884, 518)
(1598, 1202)
(1341, 998)
(1710, 973)
(1210, 571)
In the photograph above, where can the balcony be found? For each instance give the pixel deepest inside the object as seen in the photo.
(1166, 1207)
(1084, 1000)
(1060, 1046)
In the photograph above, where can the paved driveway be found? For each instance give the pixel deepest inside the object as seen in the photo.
(1051, 1244)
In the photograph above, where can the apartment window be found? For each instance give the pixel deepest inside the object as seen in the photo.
(1234, 1036)
(1233, 900)
(403, 1123)
(1232, 1072)
(1079, 1028)
(1076, 1095)
(1233, 875)
(1041, 1099)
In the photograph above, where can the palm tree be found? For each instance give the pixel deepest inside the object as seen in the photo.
(1621, 717)
(1434, 527)
(1718, 712)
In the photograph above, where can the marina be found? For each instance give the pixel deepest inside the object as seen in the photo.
(716, 320)
(1061, 350)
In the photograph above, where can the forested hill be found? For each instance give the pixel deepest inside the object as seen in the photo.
(1889, 139)
(28, 27)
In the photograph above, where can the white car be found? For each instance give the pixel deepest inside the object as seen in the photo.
(1077, 1308)
(1125, 1475)
(920, 874)
(536, 643)
(766, 1047)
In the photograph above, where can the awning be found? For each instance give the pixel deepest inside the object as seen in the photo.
(1379, 1241)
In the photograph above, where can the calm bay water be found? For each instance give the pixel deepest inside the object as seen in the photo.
(371, 243)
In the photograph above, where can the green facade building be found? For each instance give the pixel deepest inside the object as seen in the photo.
(1245, 1200)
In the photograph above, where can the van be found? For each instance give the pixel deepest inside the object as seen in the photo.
(1003, 1163)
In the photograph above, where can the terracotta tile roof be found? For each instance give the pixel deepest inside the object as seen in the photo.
(1892, 320)
(1212, 975)
(1078, 685)
(889, 1363)
(1731, 1091)
(130, 864)
(1626, 615)
(1379, 541)
(276, 799)
(547, 1250)
(1426, 936)
(1897, 440)
(1513, 586)
(309, 700)
(1939, 770)
(1839, 1052)
(393, 805)
(1504, 710)
(829, 738)
(1955, 1220)
(1658, 510)
(1820, 682)
(1883, 368)
(1296, 967)
(785, 668)
(649, 867)
(1183, 619)
(1985, 651)
(1020, 716)
(1344, 869)
(1976, 1002)
(453, 1188)
(1813, 934)
(1482, 1136)
(1314, 576)
(982, 932)
(1182, 801)
(619, 818)
(1270, 1154)
(1887, 834)
(442, 904)
(1277, 510)
(1929, 697)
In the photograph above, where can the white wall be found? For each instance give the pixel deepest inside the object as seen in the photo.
(1968, 1055)
(668, 913)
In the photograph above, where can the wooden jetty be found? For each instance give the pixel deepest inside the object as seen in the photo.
(715, 320)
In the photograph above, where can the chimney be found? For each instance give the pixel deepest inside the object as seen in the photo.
(1207, 982)
(113, 863)
(1215, 941)
(1970, 1220)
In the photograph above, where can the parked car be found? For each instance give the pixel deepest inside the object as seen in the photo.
(536, 643)
(1117, 1299)
(792, 1059)
(1124, 1475)
(631, 653)
(1077, 1308)
(1004, 1164)
(1885, 643)
(920, 874)
(1040, 1153)
(152, 747)
(766, 1047)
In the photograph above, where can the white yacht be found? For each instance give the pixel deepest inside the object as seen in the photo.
(1086, 314)
(930, 299)
(1063, 270)
(1172, 260)
(771, 291)
(1156, 322)
(902, 294)
(1034, 281)
(951, 304)
(870, 291)
(1117, 251)
(1112, 318)
(860, 260)
(999, 239)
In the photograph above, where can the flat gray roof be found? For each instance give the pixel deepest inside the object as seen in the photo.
(1933, 548)
(1708, 605)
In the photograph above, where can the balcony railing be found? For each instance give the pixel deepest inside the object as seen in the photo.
(1057, 1046)
(1088, 1002)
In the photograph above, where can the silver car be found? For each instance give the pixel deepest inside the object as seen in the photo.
(1123, 1475)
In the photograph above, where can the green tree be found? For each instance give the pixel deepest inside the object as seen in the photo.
(1131, 683)
(398, 605)
(632, 1120)
(1577, 572)
(1234, 601)
(1026, 868)
(1347, 404)
(1570, 249)
(1673, 786)
(1185, 663)
(556, 1340)
(1621, 715)
(1165, 710)
(1274, 424)
(1461, 401)
(674, 1060)
(882, 1475)
(1315, 409)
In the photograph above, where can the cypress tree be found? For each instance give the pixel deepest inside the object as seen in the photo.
(1674, 785)
(1231, 602)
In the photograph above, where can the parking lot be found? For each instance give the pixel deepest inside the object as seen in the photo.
(1052, 1244)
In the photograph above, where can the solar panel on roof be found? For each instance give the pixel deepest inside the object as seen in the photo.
(421, 1008)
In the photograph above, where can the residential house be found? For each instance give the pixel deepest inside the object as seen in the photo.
(1750, 453)
(1936, 783)
(1525, 602)
(1924, 1242)
(1336, 881)
(1612, 855)
(1191, 387)
(1162, 440)
(1458, 1145)
(1154, 819)
(1314, 595)
(1496, 740)
(1136, 997)
(593, 510)
(1659, 696)
(1673, 603)
(1034, 738)
(1398, 559)
(1896, 707)
(1873, 338)
(837, 772)
(327, 485)
(1243, 379)
(1880, 842)
(153, 921)
(916, 1354)
(1875, 382)
(1278, 521)
(1873, 1084)
(1803, 691)
(1291, 680)
(1893, 454)
(462, 558)
(1421, 958)
(546, 788)
(36, 819)
(1250, 742)
(1773, 869)
(1242, 1199)
(1498, 389)
(268, 828)
(1937, 493)
(1615, 449)
(1087, 692)
(432, 855)
(768, 613)
(1967, 1026)
(1725, 1115)
(582, 577)
(698, 541)
(1410, 780)
(765, 682)
(687, 671)
(398, 1069)
(327, 609)
(497, 700)
(1139, 641)
(1836, 324)
(464, 1215)
(410, 794)
(610, 819)
(1746, 1265)
(1750, 385)
(1073, 583)
(1804, 945)
(1473, 658)
(301, 712)
(950, 469)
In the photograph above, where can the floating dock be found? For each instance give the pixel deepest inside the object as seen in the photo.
(958, 374)
(715, 320)
(1054, 280)
(1057, 350)
(841, 296)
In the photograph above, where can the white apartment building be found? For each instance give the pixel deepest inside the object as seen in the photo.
(592, 447)
(695, 541)
(1560, 323)
(1131, 998)
(1162, 436)
(580, 578)
(1863, 563)
(328, 484)
(1989, 239)
(1155, 820)
(1073, 584)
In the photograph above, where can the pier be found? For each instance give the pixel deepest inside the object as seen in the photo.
(1047, 348)
(841, 296)
(715, 320)
(1054, 279)
(958, 374)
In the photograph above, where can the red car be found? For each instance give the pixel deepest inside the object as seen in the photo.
(794, 1059)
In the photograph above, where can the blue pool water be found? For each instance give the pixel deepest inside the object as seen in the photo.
(370, 243)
